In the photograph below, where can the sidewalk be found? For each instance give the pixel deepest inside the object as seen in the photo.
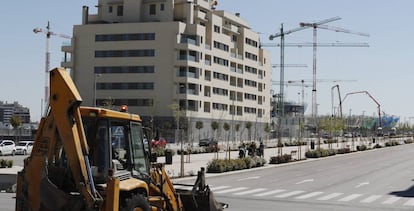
(194, 162)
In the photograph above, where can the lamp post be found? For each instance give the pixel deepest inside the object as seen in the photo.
(95, 79)
(178, 131)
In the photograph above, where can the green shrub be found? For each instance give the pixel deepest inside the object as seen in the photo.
(219, 166)
(320, 153)
(362, 148)
(9, 163)
(3, 163)
(313, 154)
(216, 166)
(392, 143)
(343, 151)
(285, 158)
(377, 146)
(408, 141)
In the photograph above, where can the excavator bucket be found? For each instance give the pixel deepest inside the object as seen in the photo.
(200, 198)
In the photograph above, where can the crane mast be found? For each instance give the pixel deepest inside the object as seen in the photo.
(47, 61)
(321, 25)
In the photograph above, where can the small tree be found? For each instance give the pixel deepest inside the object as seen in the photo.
(267, 130)
(108, 103)
(226, 127)
(16, 122)
(214, 126)
(199, 125)
(237, 128)
(249, 132)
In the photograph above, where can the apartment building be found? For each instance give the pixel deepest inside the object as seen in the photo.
(150, 54)
(8, 110)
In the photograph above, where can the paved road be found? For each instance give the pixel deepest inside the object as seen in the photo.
(373, 180)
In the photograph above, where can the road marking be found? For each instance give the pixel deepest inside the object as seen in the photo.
(350, 197)
(371, 199)
(250, 191)
(361, 184)
(391, 200)
(330, 196)
(249, 178)
(290, 194)
(231, 190)
(409, 203)
(219, 187)
(309, 195)
(304, 181)
(270, 192)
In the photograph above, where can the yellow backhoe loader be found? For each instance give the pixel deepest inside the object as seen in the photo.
(89, 158)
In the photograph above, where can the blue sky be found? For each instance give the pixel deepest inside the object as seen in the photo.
(383, 69)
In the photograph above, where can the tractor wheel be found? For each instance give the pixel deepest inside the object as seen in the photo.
(136, 202)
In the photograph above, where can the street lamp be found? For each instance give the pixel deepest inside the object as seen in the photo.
(95, 79)
(178, 130)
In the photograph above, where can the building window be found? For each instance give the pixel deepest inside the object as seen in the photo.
(221, 46)
(207, 107)
(124, 69)
(125, 53)
(120, 11)
(124, 37)
(129, 102)
(152, 9)
(110, 9)
(216, 28)
(125, 86)
(162, 7)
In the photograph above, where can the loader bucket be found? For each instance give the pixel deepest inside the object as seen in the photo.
(200, 198)
(202, 201)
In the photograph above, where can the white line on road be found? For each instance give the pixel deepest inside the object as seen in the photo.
(330, 196)
(270, 192)
(309, 195)
(250, 191)
(231, 190)
(304, 181)
(361, 184)
(409, 203)
(391, 200)
(290, 194)
(249, 178)
(218, 187)
(350, 197)
(371, 199)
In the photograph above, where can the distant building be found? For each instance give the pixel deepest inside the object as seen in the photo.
(149, 54)
(293, 117)
(7, 110)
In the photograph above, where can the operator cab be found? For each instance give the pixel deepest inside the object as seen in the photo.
(116, 146)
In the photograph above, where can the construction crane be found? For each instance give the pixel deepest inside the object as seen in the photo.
(308, 44)
(303, 84)
(367, 93)
(316, 25)
(47, 59)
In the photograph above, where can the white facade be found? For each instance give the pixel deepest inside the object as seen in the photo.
(149, 53)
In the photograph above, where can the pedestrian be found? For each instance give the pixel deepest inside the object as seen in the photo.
(261, 149)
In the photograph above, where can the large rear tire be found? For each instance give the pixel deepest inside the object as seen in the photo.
(137, 202)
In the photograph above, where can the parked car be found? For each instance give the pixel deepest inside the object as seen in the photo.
(207, 142)
(7, 147)
(24, 147)
(160, 142)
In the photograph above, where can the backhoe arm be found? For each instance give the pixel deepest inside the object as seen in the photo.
(62, 127)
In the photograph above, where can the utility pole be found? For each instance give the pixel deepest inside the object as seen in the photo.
(47, 61)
